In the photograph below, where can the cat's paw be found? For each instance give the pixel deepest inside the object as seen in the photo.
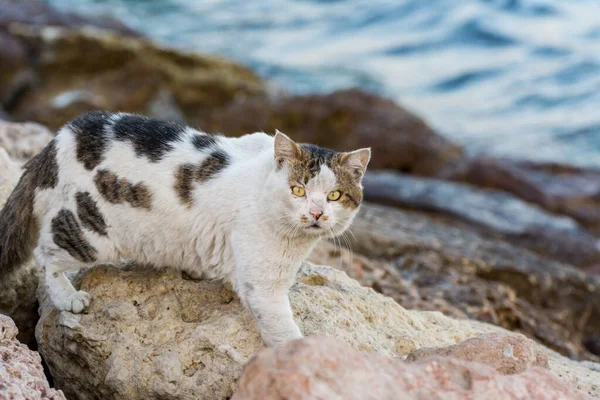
(76, 302)
(281, 338)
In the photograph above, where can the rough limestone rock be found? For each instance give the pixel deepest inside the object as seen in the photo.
(344, 120)
(17, 291)
(21, 373)
(22, 141)
(506, 353)
(10, 172)
(500, 213)
(156, 335)
(323, 368)
(432, 264)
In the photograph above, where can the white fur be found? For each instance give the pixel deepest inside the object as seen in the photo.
(244, 225)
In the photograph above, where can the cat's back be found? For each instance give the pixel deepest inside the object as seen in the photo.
(99, 140)
(128, 158)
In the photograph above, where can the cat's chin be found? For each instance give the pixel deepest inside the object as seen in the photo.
(314, 230)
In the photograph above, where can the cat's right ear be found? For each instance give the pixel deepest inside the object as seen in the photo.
(285, 149)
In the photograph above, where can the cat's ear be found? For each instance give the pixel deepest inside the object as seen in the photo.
(357, 161)
(285, 149)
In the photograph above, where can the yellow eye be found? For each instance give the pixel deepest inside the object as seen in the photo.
(298, 191)
(334, 196)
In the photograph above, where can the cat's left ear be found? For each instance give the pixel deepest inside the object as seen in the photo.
(357, 161)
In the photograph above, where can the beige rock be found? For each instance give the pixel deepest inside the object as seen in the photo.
(323, 368)
(507, 354)
(23, 140)
(152, 334)
(21, 373)
(10, 172)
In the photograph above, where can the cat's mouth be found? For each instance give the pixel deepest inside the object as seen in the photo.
(314, 226)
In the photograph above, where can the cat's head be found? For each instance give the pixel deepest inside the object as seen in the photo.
(318, 191)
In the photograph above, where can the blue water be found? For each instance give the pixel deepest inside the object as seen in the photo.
(511, 77)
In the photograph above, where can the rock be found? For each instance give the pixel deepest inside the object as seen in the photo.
(10, 172)
(17, 72)
(21, 373)
(593, 345)
(507, 354)
(323, 368)
(434, 265)
(422, 282)
(4, 116)
(491, 211)
(22, 141)
(561, 189)
(17, 290)
(344, 120)
(153, 334)
(81, 69)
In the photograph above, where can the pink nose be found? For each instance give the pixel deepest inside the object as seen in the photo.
(316, 213)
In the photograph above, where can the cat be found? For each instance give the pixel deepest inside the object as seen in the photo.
(116, 187)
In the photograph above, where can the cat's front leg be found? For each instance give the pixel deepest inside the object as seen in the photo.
(60, 290)
(268, 301)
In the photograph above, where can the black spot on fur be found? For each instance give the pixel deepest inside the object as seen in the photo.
(67, 235)
(184, 182)
(89, 214)
(150, 137)
(203, 141)
(217, 161)
(188, 174)
(19, 230)
(119, 190)
(91, 137)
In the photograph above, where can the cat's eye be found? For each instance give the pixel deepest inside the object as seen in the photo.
(334, 195)
(298, 191)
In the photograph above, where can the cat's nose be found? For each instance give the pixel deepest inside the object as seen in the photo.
(316, 213)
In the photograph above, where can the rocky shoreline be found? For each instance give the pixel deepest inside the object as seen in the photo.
(496, 245)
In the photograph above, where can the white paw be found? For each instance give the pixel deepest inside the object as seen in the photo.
(76, 302)
(281, 338)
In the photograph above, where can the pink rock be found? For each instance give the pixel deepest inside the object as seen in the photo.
(507, 354)
(322, 368)
(21, 373)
